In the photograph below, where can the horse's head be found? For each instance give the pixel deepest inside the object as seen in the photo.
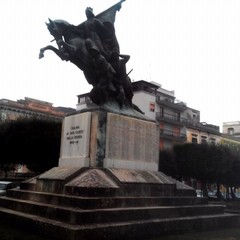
(57, 28)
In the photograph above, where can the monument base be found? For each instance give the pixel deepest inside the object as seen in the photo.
(107, 139)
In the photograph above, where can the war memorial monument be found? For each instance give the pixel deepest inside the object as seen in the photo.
(107, 184)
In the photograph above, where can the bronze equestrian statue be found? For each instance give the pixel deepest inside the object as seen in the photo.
(93, 47)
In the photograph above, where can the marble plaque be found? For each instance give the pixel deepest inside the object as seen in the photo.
(75, 140)
(131, 143)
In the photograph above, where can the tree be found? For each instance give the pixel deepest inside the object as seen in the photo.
(203, 162)
(33, 142)
(232, 177)
(167, 163)
(218, 164)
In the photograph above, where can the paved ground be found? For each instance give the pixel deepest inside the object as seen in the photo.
(9, 233)
(230, 234)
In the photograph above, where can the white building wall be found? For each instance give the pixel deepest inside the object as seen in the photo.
(143, 101)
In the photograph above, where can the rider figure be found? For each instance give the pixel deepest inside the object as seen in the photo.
(91, 29)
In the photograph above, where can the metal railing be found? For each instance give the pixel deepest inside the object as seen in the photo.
(187, 122)
(172, 135)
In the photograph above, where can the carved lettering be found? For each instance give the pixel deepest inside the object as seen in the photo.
(74, 134)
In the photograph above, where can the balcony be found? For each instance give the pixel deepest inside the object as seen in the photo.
(176, 104)
(190, 123)
(202, 126)
(169, 118)
(170, 135)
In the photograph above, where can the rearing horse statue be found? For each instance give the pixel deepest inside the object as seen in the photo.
(71, 46)
(93, 47)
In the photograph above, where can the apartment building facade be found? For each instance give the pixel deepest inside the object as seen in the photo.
(178, 123)
(31, 108)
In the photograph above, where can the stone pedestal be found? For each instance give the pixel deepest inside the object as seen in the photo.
(105, 139)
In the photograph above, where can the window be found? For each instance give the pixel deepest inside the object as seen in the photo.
(3, 116)
(194, 138)
(161, 112)
(203, 139)
(152, 107)
(178, 116)
(230, 131)
(212, 140)
(176, 131)
(82, 100)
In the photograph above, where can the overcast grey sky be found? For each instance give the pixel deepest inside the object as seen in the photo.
(190, 46)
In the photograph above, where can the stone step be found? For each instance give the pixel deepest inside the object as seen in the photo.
(103, 202)
(83, 216)
(139, 229)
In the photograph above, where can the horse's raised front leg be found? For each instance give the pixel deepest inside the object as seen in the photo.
(62, 55)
